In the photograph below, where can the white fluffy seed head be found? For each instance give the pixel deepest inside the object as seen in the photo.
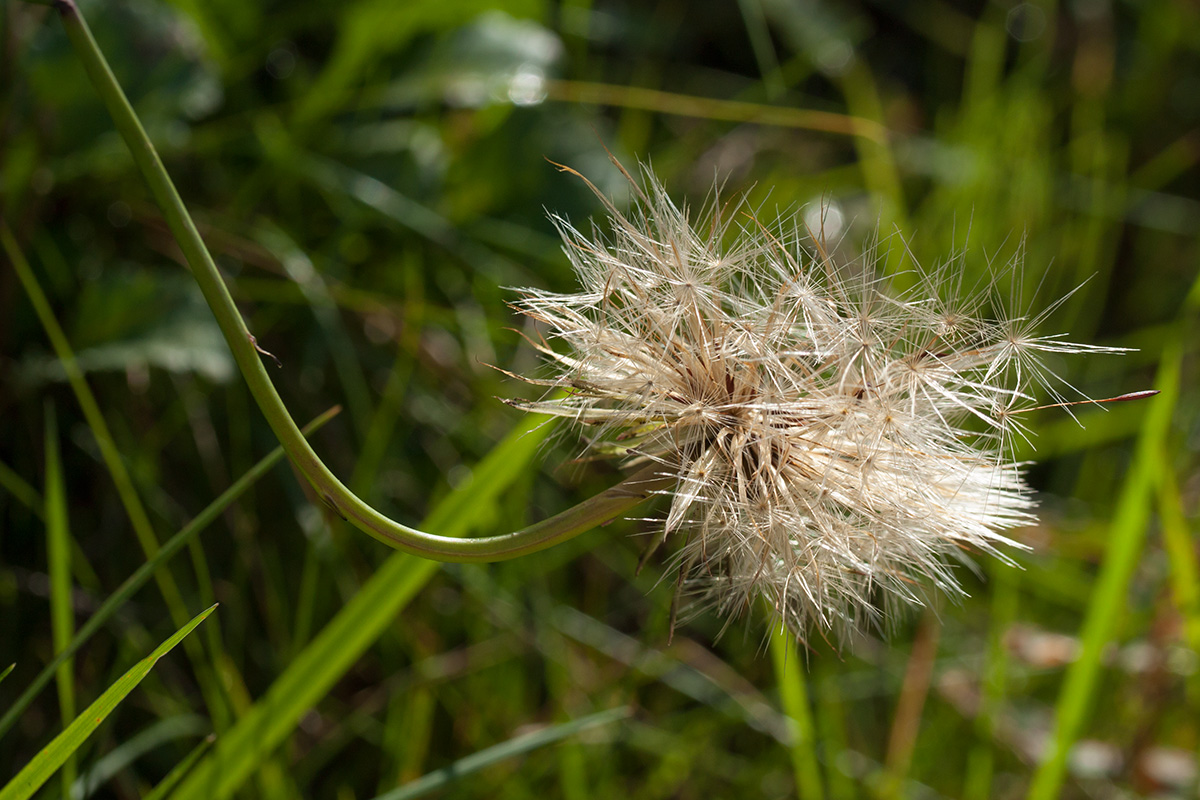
(835, 445)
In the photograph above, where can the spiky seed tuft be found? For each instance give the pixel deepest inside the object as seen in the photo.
(835, 445)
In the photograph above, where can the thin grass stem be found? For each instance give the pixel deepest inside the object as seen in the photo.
(138, 579)
(246, 353)
(793, 693)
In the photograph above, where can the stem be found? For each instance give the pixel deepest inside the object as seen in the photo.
(592, 512)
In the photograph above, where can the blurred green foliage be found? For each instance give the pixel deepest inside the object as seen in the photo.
(372, 175)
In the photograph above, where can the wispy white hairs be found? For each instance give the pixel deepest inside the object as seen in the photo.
(835, 444)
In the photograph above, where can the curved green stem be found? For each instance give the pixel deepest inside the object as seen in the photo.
(592, 512)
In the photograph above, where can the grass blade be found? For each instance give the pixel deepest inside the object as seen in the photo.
(346, 365)
(831, 730)
(793, 693)
(17, 486)
(47, 762)
(356, 627)
(446, 776)
(139, 578)
(1180, 546)
(1130, 522)
(134, 508)
(58, 558)
(684, 105)
(177, 773)
(105, 768)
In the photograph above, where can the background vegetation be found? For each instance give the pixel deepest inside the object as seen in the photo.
(371, 176)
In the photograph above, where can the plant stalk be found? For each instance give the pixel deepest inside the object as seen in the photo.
(592, 512)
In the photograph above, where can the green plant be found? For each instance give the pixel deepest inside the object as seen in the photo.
(1033, 142)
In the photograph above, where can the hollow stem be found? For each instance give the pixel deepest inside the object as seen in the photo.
(592, 512)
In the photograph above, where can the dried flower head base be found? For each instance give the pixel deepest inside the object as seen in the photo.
(835, 446)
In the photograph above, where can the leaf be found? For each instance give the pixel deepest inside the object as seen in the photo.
(513, 747)
(47, 762)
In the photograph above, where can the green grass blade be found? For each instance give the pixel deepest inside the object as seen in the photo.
(359, 624)
(875, 156)
(19, 488)
(244, 747)
(58, 558)
(793, 692)
(4, 673)
(47, 762)
(447, 776)
(762, 47)
(139, 578)
(346, 365)
(177, 773)
(387, 413)
(831, 729)
(1180, 547)
(134, 508)
(129, 750)
(1130, 522)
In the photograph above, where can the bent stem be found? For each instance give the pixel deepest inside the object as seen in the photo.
(595, 511)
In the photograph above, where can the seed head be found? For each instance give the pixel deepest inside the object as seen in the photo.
(835, 444)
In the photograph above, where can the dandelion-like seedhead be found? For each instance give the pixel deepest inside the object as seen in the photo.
(834, 444)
